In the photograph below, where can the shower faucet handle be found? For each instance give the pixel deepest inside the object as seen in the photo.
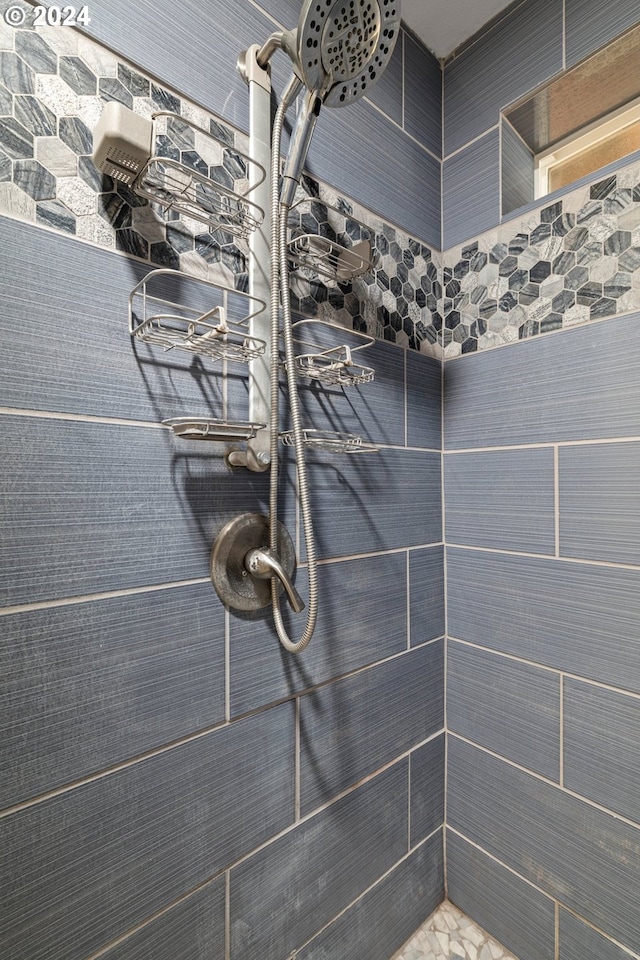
(264, 564)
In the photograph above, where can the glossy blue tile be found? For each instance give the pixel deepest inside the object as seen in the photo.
(589, 25)
(426, 584)
(357, 149)
(584, 857)
(350, 728)
(89, 365)
(471, 191)
(362, 618)
(191, 930)
(576, 385)
(552, 613)
(601, 736)
(424, 401)
(84, 867)
(512, 57)
(578, 940)
(325, 863)
(427, 766)
(386, 917)
(517, 170)
(510, 708)
(600, 502)
(88, 685)
(97, 507)
(519, 917)
(422, 95)
(502, 499)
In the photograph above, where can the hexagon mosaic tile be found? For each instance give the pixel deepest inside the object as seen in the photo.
(53, 85)
(570, 262)
(451, 935)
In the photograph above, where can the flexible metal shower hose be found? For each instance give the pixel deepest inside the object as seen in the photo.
(280, 291)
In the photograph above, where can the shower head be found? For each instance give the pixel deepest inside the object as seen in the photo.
(341, 47)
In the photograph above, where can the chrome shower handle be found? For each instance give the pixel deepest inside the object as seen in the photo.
(263, 564)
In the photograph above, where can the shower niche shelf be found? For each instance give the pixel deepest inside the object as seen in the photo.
(318, 357)
(330, 242)
(331, 442)
(197, 188)
(173, 310)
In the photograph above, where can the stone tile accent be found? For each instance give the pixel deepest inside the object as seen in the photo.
(450, 935)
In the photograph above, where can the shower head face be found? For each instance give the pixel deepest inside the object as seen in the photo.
(344, 46)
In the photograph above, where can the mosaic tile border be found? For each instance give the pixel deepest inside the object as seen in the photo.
(451, 935)
(53, 85)
(570, 262)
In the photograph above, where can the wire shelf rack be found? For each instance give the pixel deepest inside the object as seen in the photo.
(330, 242)
(175, 311)
(208, 428)
(320, 358)
(197, 189)
(331, 442)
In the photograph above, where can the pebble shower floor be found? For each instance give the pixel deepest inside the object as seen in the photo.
(448, 934)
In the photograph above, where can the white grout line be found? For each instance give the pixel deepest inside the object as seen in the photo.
(556, 919)
(543, 445)
(227, 915)
(79, 418)
(583, 561)
(93, 597)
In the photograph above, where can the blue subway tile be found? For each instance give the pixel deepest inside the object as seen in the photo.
(510, 708)
(576, 853)
(554, 613)
(517, 168)
(520, 917)
(93, 684)
(590, 25)
(470, 190)
(601, 736)
(424, 396)
(576, 385)
(578, 940)
(427, 766)
(600, 502)
(386, 917)
(373, 590)
(350, 728)
(82, 868)
(426, 585)
(422, 95)
(511, 58)
(193, 928)
(502, 499)
(285, 893)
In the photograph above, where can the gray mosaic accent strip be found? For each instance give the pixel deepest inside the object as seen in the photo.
(570, 262)
(54, 86)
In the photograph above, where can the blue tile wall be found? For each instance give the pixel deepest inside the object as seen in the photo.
(151, 739)
(519, 916)
(502, 499)
(470, 190)
(382, 920)
(427, 771)
(352, 727)
(191, 929)
(286, 892)
(510, 708)
(579, 940)
(589, 25)
(92, 684)
(519, 52)
(423, 96)
(83, 867)
(426, 584)
(601, 736)
(516, 170)
(600, 502)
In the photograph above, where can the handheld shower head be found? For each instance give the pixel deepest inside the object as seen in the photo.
(339, 49)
